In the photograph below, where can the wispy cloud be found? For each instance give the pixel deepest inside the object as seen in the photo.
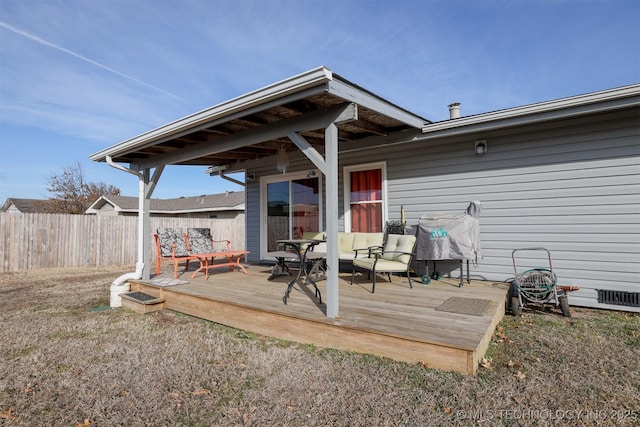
(84, 58)
(422, 56)
(71, 102)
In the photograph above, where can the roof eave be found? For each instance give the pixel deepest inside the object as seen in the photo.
(351, 92)
(576, 105)
(301, 82)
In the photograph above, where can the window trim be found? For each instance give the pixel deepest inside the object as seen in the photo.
(346, 173)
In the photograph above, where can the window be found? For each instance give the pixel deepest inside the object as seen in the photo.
(365, 198)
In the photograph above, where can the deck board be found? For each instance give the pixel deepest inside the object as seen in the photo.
(396, 322)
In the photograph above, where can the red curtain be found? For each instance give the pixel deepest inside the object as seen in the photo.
(366, 201)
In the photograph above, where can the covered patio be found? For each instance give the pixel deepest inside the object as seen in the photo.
(313, 116)
(439, 325)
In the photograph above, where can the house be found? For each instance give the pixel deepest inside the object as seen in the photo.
(562, 174)
(14, 205)
(226, 205)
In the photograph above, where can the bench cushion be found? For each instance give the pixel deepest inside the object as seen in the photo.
(169, 237)
(349, 242)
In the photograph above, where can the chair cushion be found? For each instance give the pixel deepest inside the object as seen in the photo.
(382, 265)
(345, 242)
(366, 240)
(397, 243)
(200, 240)
(314, 235)
(168, 237)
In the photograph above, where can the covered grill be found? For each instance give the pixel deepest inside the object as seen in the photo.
(449, 236)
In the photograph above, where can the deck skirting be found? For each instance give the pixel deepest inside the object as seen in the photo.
(446, 341)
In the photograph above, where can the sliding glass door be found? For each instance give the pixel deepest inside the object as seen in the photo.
(291, 206)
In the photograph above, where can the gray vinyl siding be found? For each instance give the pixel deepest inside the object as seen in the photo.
(573, 188)
(570, 186)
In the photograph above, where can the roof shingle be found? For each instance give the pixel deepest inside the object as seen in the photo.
(232, 200)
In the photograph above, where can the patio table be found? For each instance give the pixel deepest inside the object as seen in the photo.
(304, 257)
(233, 259)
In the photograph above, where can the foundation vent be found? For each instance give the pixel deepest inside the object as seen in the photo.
(629, 299)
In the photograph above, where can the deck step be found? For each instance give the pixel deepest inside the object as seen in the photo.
(141, 302)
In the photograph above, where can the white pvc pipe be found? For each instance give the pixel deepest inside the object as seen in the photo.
(121, 285)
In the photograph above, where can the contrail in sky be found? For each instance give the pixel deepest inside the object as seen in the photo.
(84, 58)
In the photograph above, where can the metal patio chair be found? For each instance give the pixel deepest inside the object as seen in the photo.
(171, 246)
(394, 257)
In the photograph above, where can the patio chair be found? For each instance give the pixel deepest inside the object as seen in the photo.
(315, 235)
(394, 257)
(171, 246)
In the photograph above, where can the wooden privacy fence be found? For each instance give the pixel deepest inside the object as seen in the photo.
(34, 241)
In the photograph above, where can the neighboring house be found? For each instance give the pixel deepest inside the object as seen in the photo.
(227, 205)
(13, 205)
(562, 174)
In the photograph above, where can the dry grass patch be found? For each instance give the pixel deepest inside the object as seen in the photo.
(66, 361)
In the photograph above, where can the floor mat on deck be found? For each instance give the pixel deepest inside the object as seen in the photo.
(167, 282)
(472, 306)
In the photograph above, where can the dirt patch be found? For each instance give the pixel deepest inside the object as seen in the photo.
(67, 360)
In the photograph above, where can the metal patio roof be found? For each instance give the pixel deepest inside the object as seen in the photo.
(256, 124)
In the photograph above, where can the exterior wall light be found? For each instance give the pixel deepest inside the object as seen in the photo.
(481, 147)
(282, 160)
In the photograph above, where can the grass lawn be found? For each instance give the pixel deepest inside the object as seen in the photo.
(67, 360)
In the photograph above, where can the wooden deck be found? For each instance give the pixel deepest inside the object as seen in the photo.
(395, 322)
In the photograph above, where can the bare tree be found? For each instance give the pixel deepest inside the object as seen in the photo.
(72, 193)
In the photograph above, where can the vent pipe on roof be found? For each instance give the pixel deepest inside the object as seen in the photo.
(454, 110)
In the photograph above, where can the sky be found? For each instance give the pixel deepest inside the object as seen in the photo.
(78, 76)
